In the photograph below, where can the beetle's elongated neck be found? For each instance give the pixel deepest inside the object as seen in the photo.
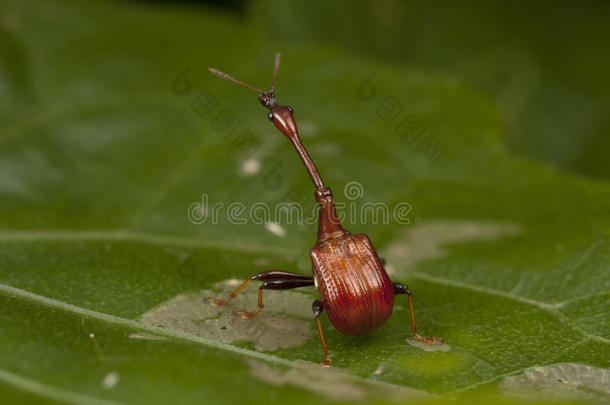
(306, 159)
(283, 119)
(329, 225)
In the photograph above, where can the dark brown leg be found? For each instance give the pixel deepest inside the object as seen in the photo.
(403, 289)
(272, 280)
(318, 307)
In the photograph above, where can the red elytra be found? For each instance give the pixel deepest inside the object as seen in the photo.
(356, 291)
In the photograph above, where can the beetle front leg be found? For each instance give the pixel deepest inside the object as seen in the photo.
(318, 307)
(281, 284)
(403, 289)
(272, 280)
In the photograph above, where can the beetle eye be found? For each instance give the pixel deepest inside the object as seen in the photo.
(270, 116)
(290, 109)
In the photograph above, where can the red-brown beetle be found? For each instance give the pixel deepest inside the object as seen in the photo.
(356, 291)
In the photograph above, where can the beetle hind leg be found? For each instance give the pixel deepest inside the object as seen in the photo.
(403, 289)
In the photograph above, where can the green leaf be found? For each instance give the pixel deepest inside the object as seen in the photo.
(107, 146)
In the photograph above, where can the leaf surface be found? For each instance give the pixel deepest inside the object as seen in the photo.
(111, 146)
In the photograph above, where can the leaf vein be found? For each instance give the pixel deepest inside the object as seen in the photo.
(549, 308)
(130, 236)
(49, 391)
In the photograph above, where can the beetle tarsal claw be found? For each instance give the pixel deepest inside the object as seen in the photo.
(429, 340)
(214, 301)
(246, 314)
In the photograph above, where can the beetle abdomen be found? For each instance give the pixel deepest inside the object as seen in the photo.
(356, 291)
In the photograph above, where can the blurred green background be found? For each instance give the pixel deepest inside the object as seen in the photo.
(545, 64)
(111, 128)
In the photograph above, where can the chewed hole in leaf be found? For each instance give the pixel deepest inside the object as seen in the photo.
(285, 322)
(426, 241)
(330, 382)
(560, 380)
(429, 347)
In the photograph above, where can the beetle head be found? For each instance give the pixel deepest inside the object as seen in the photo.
(282, 117)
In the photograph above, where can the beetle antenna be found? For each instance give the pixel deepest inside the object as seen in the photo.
(275, 69)
(231, 79)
